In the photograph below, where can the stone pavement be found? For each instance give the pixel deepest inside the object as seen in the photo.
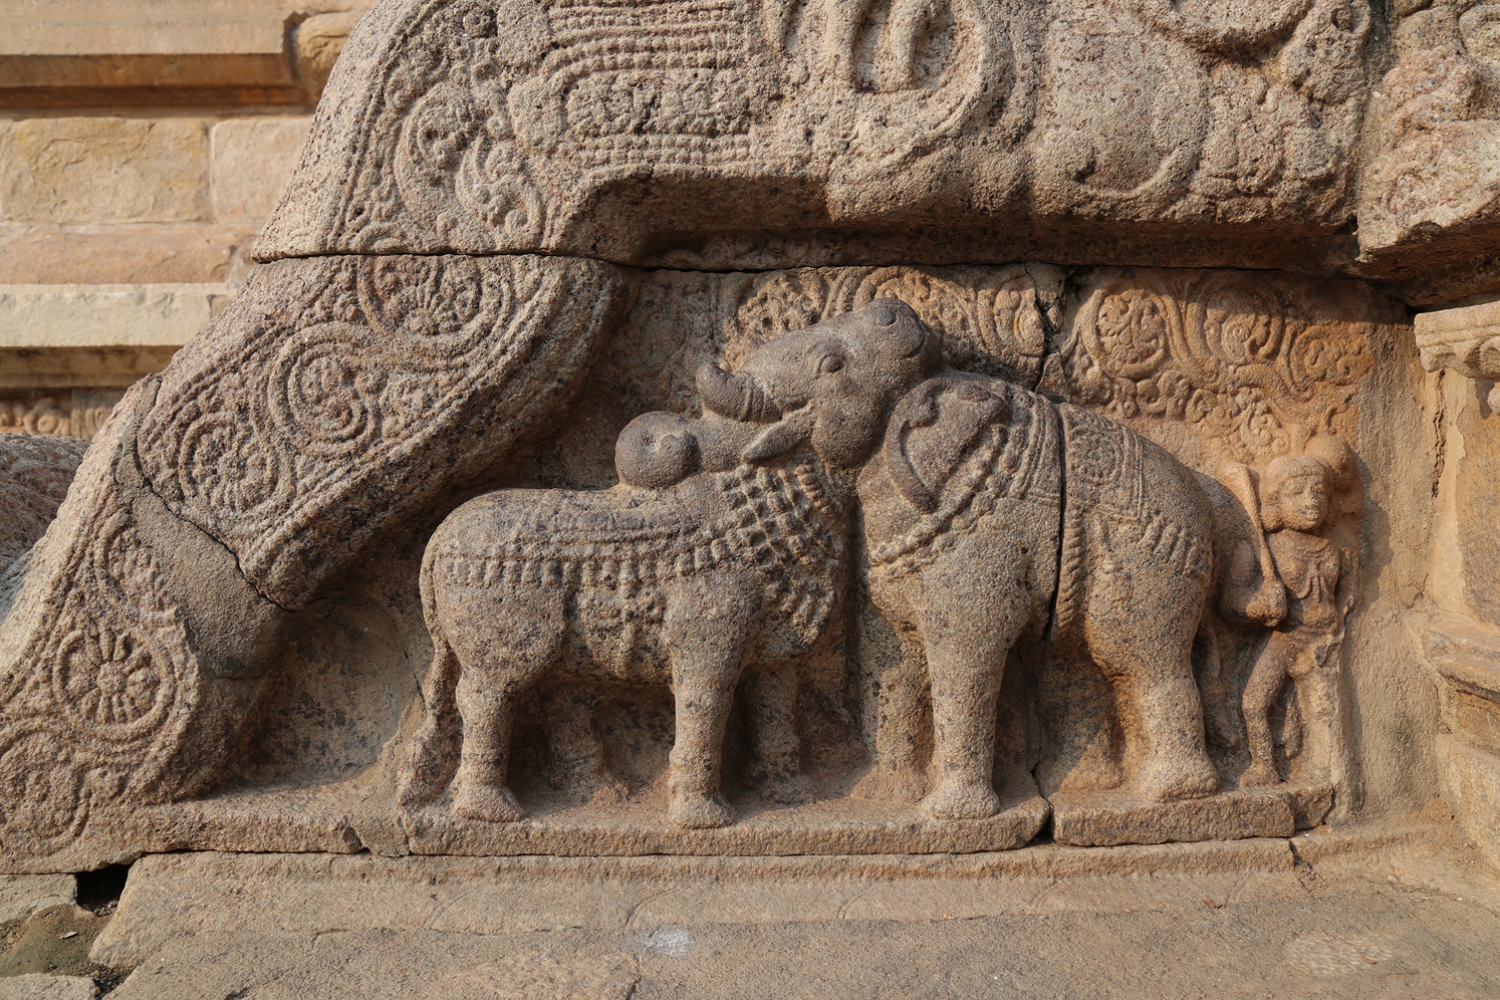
(1387, 913)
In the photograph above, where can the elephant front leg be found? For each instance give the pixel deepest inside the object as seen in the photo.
(893, 672)
(967, 645)
(480, 789)
(965, 692)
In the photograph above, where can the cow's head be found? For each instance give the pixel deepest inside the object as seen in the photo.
(830, 385)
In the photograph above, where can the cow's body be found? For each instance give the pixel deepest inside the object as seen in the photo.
(685, 586)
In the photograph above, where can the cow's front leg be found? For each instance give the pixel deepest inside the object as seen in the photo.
(706, 631)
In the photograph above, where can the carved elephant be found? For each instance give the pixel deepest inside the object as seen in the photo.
(721, 550)
(993, 515)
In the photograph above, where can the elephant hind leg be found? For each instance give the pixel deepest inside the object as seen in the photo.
(1161, 714)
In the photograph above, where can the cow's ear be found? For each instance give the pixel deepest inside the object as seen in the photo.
(779, 438)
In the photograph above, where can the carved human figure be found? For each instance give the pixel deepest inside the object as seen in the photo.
(1313, 570)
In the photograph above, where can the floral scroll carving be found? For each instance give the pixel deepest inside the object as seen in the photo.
(267, 443)
(524, 125)
(1259, 366)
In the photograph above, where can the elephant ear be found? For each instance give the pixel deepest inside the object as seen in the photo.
(779, 438)
(933, 430)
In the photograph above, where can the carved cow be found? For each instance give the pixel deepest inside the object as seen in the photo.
(993, 515)
(722, 549)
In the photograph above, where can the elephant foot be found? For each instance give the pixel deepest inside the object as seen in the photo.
(699, 812)
(488, 802)
(953, 799)
(1170, 782)
(785, 789)
(1258, 775)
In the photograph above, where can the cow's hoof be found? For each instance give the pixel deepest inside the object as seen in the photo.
(490, 803)
(1169, 784)
(1259, 773)
(700, 812)
(955, 800)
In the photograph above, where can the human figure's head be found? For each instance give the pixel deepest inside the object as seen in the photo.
(1294, 494)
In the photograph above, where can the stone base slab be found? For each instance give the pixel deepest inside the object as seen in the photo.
(172, 897)
(173, 900)
(840, 826)
(360, 816)
(1104, 818)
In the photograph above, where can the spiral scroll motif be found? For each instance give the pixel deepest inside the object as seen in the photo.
(1267, 364)
(360, 397)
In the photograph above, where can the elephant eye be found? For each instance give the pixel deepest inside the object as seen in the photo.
(830, 364)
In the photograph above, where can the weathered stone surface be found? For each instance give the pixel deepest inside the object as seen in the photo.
(77, 414)
(175, 897)
(252, 159)
(35, 473)
(736, 138)
(182, 665)
(317, 42)
(1465, 662)
(1141, 542)
(1102, 819)
(1462, 344)
(1198, 387)
(37, 986)
(71, 170)
(1430, 195)
(83, 53)
(836, 828)
(105, 316)
(165, 254)
(23, 895)
(1157, 923)
(1471, 787)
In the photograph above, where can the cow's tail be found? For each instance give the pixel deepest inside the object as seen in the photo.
(430, 757)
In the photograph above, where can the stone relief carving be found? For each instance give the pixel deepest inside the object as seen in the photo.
(1255, 368)
(1436, 116)
(525, 125)
(1317, 577)
(79, 413)
(153, 682)
(35, 473)
(285, 446)
(741, 560)
(140, 638)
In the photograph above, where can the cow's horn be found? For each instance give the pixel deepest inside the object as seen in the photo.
(735, 395)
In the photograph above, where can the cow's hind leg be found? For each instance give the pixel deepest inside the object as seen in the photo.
(501, 660)
(427, 759)
(777, 769)
(480, 789)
